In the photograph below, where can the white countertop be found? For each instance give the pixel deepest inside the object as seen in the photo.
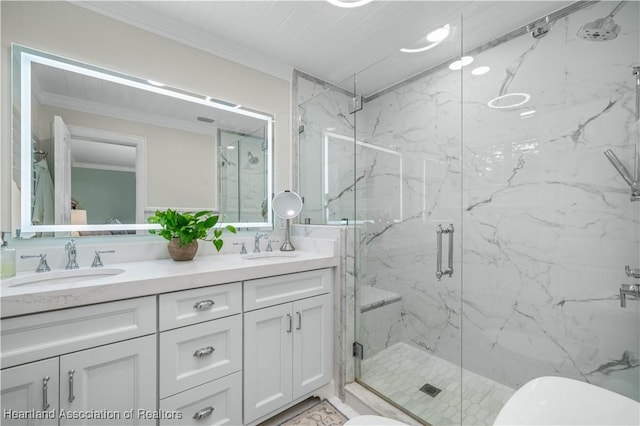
(149, 278)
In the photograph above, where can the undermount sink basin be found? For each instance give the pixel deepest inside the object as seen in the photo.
(270, 254)
(561, 401)
(63, 277)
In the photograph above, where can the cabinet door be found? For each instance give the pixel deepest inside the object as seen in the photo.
(267, 360)
(312, 344)
(29, 387)
(109, 382)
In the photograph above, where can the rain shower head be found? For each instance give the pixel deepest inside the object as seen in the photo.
(602, 29)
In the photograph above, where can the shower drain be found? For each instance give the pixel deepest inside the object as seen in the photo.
(430, 390)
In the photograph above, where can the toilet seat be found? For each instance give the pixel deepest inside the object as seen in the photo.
(372, 421)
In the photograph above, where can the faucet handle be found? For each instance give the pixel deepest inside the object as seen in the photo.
(70, 244)
(97, 260)
(632, 272)
(243, 249)
(43, 266)
(269, 248)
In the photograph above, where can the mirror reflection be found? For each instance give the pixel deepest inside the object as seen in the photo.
(100, 151)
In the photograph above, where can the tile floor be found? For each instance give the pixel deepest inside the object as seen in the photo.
(399, 371)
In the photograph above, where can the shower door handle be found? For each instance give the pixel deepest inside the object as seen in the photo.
(449, 270)
(439, 272)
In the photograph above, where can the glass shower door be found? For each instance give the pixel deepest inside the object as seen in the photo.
(408, 244)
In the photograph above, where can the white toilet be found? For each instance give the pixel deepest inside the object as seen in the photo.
(373, 421)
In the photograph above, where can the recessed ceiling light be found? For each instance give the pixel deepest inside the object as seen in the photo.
(480, 70)
(439, 34)
(156, 83)
(520, 99)
(462, 62)
(349, 4)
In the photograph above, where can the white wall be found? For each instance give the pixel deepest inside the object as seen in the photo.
(68, 30)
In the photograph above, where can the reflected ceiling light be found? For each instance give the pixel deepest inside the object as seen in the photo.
(420, 49)
(349, 4)
(439, 34)
(231, 147)
(156, 83)
(480, 70)
(463, 62)
(520, 99)
(528, 113)
(436, 37)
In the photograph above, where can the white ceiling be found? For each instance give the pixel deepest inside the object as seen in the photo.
(323, 40)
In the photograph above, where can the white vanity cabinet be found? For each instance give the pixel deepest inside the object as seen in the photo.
(200, 352)
(287, 339)
(97, 385)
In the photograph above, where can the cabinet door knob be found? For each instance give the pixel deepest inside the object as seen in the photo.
(204, 305)
(203, 413)
(204, 351)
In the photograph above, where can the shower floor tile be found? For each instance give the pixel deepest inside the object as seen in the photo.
(399, 371)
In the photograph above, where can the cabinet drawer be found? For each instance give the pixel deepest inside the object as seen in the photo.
(193, 355)
(200, 304)
(270, 291)
(38, 336)
(214, 403)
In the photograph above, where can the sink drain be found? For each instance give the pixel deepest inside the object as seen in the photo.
(430, 390)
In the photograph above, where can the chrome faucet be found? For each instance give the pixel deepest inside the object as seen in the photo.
(70, 247)
(256, 241)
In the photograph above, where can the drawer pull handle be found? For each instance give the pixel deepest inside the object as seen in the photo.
(289, 319)
(71, 396)
(205, 412)
(204, 351)
(45, 387)
(204, 305)
(299, 320)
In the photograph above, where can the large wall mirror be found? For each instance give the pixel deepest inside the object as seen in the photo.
(96, 151)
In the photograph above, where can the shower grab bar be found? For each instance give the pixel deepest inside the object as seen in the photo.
(449, 271)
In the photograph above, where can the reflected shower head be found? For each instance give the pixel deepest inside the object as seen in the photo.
(252, 158)
(602, 29)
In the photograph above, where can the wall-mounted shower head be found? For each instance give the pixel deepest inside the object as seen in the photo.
(602, 29)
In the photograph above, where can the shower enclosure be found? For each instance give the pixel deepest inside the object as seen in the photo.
(242, 175)
(491, 232)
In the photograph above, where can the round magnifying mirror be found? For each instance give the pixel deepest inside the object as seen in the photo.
(287, 205)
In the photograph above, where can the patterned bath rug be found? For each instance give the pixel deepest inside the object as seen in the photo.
(321, 414)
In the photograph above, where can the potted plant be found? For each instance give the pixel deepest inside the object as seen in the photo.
(183, 230)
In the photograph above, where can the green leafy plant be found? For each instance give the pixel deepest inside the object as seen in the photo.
(188, 227)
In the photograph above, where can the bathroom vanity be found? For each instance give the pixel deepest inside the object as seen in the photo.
(224, 339)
